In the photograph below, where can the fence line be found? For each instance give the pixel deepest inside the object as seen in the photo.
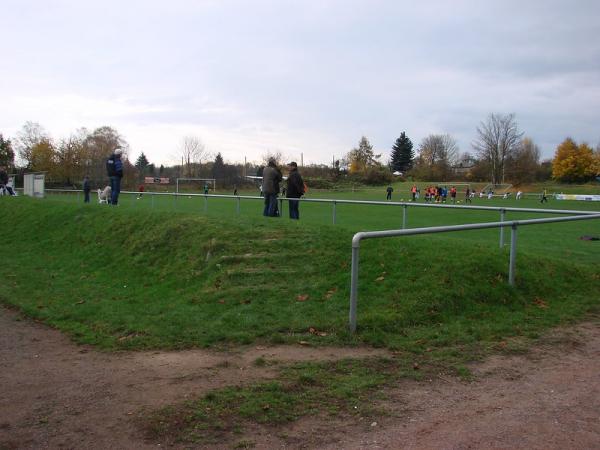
(514, 224)
(335, 202)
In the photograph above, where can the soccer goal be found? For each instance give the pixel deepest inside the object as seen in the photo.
(196, 184)
(497, 188)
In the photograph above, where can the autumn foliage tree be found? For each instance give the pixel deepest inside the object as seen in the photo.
(574, 163)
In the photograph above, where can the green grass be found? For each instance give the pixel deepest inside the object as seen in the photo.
(173, 276)
(138, 278)
(332, 389)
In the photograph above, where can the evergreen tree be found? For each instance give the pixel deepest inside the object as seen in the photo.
(402, 154)
(218, 167)
(142, 163)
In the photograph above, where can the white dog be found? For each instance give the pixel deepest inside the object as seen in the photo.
(104, 195)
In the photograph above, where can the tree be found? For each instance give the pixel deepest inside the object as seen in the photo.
(362, 157)
(70, 159)
(30, 135)
(218, 168)
(98, 146)
(7, 154)
(498, 139)
(437, 154)
(193, 154)
(524, 162)
(275, 155)
(142, 163)
(43, 157)
(573, 163)
(402, 154)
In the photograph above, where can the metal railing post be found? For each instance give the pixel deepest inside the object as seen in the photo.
(404, 208)
(238, 205)
(502, 215)
(152, 197)
(334, 212)
(205, 203)
(513, 254)
(354, 285)
(281, 207)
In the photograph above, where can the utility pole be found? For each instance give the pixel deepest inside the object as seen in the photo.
(301, 159)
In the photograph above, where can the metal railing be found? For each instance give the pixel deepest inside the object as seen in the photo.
(336, 202)
(358, 237)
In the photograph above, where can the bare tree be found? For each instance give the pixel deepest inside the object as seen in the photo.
(499, 138)
(275, 155)
(193, 154)
(437, 154)
(524, 163)
(439, 148)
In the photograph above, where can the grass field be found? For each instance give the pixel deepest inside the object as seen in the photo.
(171, 275)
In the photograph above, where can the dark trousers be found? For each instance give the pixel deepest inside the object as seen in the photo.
(86, 196)
(294, 209)
(115, 185)
(270, 209)
(389, 196)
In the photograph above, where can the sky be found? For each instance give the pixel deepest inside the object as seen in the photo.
(304, 78)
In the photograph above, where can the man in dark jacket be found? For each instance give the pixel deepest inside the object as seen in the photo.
(86, 189)
(114, 168)
(3, 179)
(270, 188)
(295, 189)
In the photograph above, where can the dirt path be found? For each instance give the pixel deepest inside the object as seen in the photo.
(54, 394)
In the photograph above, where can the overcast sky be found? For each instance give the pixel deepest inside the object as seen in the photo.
(307, 77)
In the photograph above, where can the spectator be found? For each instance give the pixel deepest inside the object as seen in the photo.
(389, 191)
(295, 189)
(86, 189)
(270, 188)
(3, 181)
(114, 167)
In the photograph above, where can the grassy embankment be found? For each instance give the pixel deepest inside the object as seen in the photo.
(137, 278)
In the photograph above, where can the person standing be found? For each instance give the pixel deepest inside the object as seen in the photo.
(270, 188)
(295, 189)
(468, 195)
(389, 190)
(205, 188)
(544, 196)
(114, 167)
(453, 194)
(141, 190)
(3, 180)
(235, 189)
(86, 189)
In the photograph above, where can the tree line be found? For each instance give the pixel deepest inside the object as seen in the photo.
(501, 154)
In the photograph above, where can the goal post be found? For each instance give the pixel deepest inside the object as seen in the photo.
(201, 182)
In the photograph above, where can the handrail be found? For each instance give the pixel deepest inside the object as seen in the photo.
(441, 229)
(356, 202)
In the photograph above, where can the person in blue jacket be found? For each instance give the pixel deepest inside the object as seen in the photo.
(114, 168)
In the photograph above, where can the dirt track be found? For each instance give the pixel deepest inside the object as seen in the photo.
(54, 394)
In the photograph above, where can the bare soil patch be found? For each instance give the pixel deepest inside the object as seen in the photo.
(55, 394)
